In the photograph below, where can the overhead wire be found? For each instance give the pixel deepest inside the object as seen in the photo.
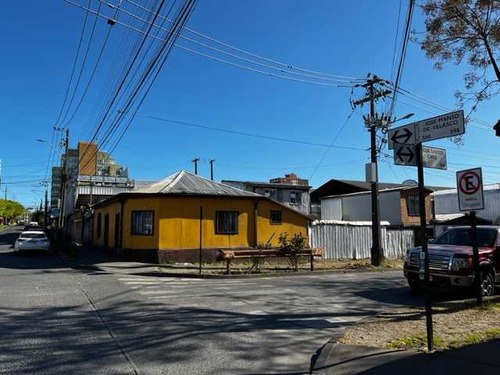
(275, 75)
(122, 82)
(402, 57)
(253, 135)
(282, 64)
(332, 144)
(280, 69)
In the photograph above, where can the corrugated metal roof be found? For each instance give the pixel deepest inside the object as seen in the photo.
(190, 184)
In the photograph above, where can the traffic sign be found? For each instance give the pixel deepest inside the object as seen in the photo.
(432, 157)
(405, 155)
(470, 190)
(443, 126)
(402, 135)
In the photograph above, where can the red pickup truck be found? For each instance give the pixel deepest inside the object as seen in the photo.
(450, 260)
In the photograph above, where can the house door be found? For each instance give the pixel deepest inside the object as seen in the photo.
(106, 231)
(117, 231)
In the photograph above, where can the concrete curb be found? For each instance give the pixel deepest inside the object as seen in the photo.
(263, 275)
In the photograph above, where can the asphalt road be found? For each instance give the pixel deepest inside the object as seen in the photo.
(58, 320)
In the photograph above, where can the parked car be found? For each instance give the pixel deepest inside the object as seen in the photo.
(32, 228)
(32, 240)
(451, 263)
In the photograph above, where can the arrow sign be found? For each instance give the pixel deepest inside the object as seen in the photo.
(405, 155)
(432, 157)
(402, 135)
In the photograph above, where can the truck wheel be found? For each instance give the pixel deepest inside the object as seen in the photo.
(487, 283)
(415, 285)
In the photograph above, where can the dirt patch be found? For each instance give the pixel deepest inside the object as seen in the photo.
(455, 324)
(280, 266)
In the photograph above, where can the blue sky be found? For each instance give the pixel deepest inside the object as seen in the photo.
(352, 39)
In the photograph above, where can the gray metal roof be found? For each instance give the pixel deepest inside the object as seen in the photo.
(190, 184)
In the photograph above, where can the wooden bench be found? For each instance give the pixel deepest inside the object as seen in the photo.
(260, 254)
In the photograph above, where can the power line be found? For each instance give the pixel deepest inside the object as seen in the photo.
(82, 67)
(320, 83)
(282, 64)
(331, 145)
(123, 80)
(253, 135)
(155, 64)
(402, 58)
(280, 69)
(94, 70)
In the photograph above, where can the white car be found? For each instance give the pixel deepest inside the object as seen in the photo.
(32, 240)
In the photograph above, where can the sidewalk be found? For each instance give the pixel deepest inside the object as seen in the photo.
(99, 260)
(341, 359)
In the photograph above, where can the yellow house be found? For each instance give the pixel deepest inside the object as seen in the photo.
(172, 219)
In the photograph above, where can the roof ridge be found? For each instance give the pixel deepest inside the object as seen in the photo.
(173, 181)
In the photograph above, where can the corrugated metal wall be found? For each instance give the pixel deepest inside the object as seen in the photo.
(447, 203)
(354, 241)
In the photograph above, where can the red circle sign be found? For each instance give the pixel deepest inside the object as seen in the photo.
(469, 183)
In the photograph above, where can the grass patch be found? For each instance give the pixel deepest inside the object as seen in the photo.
(489, 306)
(419, 342)
(416, 342)
(477, 338)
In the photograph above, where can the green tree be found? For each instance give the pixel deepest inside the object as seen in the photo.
(466, 31)
(10, 209)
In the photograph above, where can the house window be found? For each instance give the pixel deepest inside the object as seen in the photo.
(276, 217)
(99, 224)
(226, 222)
(412, 205)
(295, 197)
(142, 223)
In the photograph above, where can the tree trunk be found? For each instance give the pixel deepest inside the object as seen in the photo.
(492, 59)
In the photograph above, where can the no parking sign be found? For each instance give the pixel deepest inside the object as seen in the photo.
(470, 190)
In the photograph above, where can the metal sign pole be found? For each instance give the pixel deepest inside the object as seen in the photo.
(425, 249)
(475, 252)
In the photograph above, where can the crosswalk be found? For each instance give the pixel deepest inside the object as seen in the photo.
(252, 297)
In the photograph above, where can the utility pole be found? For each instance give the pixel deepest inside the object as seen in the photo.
(211, 161)
(64, 178)
(195, 161)
(46, 210)
(5, 193)
(373, 123)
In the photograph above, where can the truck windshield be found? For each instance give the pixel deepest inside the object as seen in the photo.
(462, 237)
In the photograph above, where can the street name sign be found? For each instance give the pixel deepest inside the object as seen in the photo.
(443, 126)
(470, 190)
(402, 135)
(432, 157)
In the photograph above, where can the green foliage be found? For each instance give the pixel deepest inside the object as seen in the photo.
(10, 209)
(38, 216)
(466, 31)
(292, 247)
(416, 342)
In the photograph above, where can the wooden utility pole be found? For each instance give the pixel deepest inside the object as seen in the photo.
(46, 210)
(377, 252)
(64, 178)
(195, 161)
(211, 161)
